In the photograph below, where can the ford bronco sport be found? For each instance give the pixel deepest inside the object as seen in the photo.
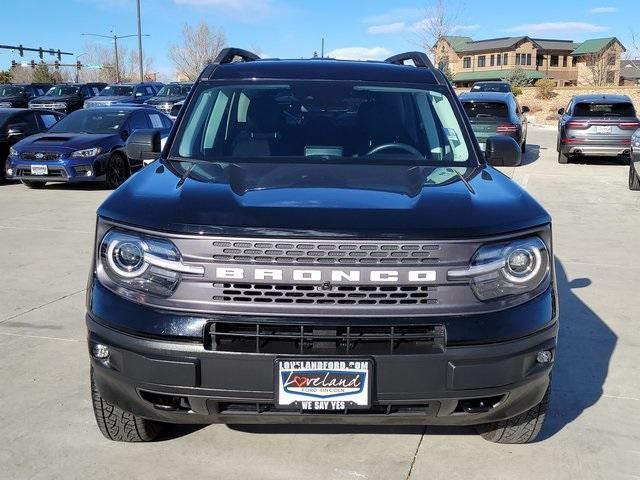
(322, 241)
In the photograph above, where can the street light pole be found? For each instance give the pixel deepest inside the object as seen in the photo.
(78, 69)
(115, 38)
(117, 62)
(140, 45)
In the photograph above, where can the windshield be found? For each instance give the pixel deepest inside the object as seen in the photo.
(173, 91)
(491, 87)
(604, 110)
(90, 121)
(62, 90)
(489, 110)
(117, 91)
(8, 90)
(337, 120)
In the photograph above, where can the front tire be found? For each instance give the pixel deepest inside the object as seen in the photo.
(117, 171)
(523, 428)
(118, 425)
(634, 178)
(32, 184)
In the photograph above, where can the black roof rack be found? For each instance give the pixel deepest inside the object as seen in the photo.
(227, 55)
(420, 59)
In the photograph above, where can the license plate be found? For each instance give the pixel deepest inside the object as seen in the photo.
(39, 170)
(323, 384)
(603, 129)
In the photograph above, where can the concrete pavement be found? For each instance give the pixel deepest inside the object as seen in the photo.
(593, 431)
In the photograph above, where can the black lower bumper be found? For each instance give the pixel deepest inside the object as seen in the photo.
(182, 382)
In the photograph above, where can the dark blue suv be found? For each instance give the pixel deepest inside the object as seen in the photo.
(124, 93)
(322, 241)
(85, 146)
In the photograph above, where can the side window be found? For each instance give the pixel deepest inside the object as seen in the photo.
(27, 121)
(47, 120)
(156, 120)
(139, 91)
(150, 91)
(569, 108)
(86, 92)
(137, 121)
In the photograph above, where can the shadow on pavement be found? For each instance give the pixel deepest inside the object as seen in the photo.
(599, 160)
(531, 154)
(585, 346)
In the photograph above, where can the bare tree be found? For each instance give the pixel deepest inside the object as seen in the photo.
(598, 70)
(200, 45)
(440, 20)
(98, 54)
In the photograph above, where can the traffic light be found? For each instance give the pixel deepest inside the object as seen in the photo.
(78, 64)
(21, 50)
(56, 64)
(33, 64)
(13, 64)
(40, 52)
(59, 55)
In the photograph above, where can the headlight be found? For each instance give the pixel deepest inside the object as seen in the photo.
(509, 268)
(13, 152)
(6, 104)
(60, 105)
(86, 153)
(129, 262)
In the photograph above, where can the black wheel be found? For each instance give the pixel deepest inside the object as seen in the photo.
(634, 179)
(32, 184)
(117, 171)
(562, 158)
(118, 425)
(521, 429)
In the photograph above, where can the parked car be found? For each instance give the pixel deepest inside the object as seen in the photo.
(175, 110)
(169, 95)
(491, 86)
(83, 147)
(322, 241)
(67, 97)
(634, 163)
(18, 95)
(17, 124)
(492, 113)
(596, 125)
(124, 93)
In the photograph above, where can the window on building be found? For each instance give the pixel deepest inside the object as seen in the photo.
(482, 61)
(564, 61)
(528, 59)
(498, 59)
(466, 62)
(611, 76)
(517, 59)
(492, 60)
(539, 60)
(505, 58)
(574, 61)
(611, 59)
(553, 62)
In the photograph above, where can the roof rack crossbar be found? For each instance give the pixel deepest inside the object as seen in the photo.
(227, 55)
(420, 59)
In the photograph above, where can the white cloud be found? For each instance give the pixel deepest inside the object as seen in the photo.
(387, 28)
(395, 15)
(603, 10)
(567, 28)
(247, 10)
(360, 53)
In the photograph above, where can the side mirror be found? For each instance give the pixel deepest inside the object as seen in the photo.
(503, 151)
(15, 133)
(561, 111)
(525, 109)
(144, 144)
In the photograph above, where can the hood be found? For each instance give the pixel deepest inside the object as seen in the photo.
(349, 200)
(13, 98)
(66, 142)
(65, 98)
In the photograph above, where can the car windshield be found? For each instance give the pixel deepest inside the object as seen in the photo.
(491, 87)
(298, 121)
(479, 110)
(173, 91)
(622, 109)
(62, 90)
(117, 91)
(90, 121)
(7, 90)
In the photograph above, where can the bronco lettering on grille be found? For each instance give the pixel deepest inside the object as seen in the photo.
(333, 276)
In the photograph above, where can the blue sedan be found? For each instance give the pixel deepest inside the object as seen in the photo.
(85, 146)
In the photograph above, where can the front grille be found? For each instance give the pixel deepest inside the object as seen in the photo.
(325, 253)
(54, 172)
(241, 408)
(40, 156)
(324, 340)
(326, 295)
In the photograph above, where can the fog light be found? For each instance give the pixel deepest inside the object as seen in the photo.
(89, 173)
(545, 356)
(100, 351)
(9, 171)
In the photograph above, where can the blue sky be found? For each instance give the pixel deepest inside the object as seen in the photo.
(288, 28)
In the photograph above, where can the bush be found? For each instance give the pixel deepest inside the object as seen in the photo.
(517, 77)
(545, 88)
(516, 90)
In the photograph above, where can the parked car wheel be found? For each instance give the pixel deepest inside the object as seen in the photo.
(33, 184)
(634, 178)
(117, 171)
(562, 158)
(523, 428)
(118, 425)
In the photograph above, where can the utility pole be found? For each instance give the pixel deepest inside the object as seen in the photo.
(322, 49)
(115, 38)
(78, 65)
(140, 45)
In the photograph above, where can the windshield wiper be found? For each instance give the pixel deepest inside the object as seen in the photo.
(463, 180)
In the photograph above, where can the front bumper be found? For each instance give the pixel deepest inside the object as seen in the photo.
(183, 382)
(65, 170)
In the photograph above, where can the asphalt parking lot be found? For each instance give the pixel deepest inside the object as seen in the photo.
(593, 431)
